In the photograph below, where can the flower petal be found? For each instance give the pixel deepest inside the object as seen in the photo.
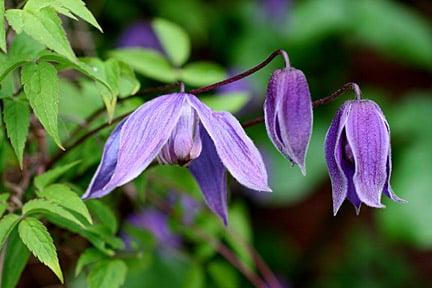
(235, 149)
(210, 174)
(107, 165)
(143, 135)
(333, 153)
(369, 141)
(293, 113)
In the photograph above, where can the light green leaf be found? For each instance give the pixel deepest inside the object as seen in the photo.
(16, 116)
(90, 255)
(230, 102)
(195, 277)
(4, 197)
(202, 73)
(128, 83)
(44, 26)
(62, 195)
(37, 239)
(7, 223)
(15, 260)
(47, 207)
(147, 62)
(41, 87)
(223, 274)
(107, 274)
(174, 40)
(2, 27)
(3, 208)
(104, 215)
(41, 181)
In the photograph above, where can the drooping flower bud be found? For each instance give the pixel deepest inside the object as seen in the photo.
(184, 145)
(357, 149)
(288, 114)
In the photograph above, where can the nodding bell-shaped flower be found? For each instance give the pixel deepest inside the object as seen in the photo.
(357, 150)
(179, 129)
(288, 114)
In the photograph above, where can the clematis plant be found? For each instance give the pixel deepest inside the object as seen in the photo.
(358, 154)
(179, 129)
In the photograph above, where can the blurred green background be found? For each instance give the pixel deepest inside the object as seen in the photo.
(384, 46)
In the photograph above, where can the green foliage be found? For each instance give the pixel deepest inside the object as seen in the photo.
(37, 239)
(41, 87)
(230, 102)
(104, 215)
(89, 256)
(44, 26)
(43, 180)
(202, 73)
(2, 27)
(7, 223)
(15, 259)
(16, 116)
(174, 40)
(3, 203)
(107, 273)
(147, 62)
(223, 275)
(63, 196)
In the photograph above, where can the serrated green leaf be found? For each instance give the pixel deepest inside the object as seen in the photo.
(107, 274)
(2, 27)
(48, 207)
(147, 62)
(43, 25)
(202, 73)
(90, 255)
(37, 239)
(230, 102)
(174, 40)
(41, 181)
(41, 87)
(66, 7)
(104, 215)
(15, 260)
(16, 116)
(7, 223)
(65, 197)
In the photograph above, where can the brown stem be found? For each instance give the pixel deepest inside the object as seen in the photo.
(241, 75)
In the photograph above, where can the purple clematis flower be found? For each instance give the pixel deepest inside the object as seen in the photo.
(357, 149)
(140, 34)
(179, 129)
(288, 114)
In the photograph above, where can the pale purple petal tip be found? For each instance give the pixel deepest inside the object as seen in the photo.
(235, 149)
(210, 174)
(288, 114)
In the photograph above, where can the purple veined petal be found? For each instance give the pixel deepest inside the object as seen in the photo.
(210, 174)
(143, 135)
(333, 153)
(107, 165)
(388, 191)
(348, 169)
(369, 141)
(235, 149)
(294, 113)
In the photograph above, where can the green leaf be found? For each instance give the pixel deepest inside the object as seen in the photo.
(104, 215)
(147, 62)
(202, 73)
(43, 180)
(16, 116)
(107, 274)
(65, 197)
(223, 274)
(65, 7)
(90, 255)
(174, 40)
(195, 277)
(3, 208)
(37, 239)
(2, 27)
(48, 207)
(7, 223)
(41, 87)
(230, 102)
(44, 26)
(128, 83)
(15, 260)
